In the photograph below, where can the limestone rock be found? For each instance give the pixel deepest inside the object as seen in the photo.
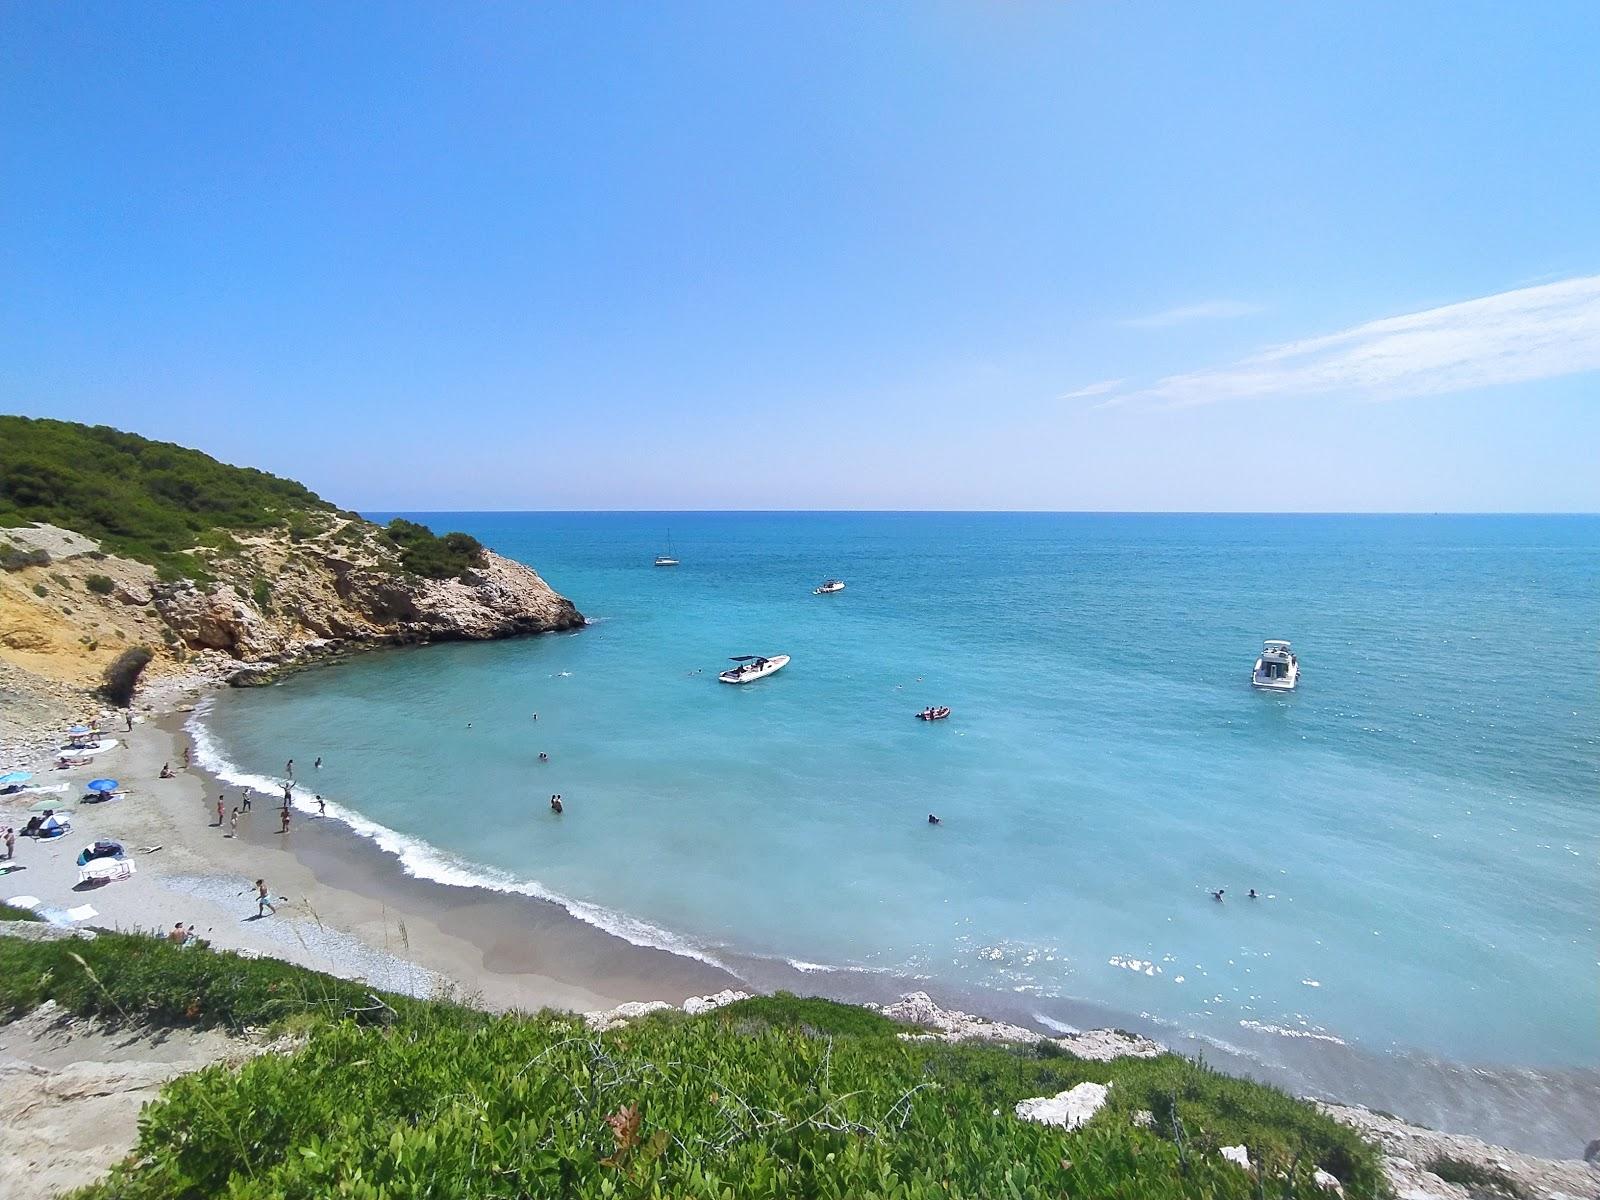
(695, 1005)
(1069, 1109)
(611, 1018)
(1237, 1155)
(1326, 1181)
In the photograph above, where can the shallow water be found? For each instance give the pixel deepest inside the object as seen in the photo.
(1421, 817)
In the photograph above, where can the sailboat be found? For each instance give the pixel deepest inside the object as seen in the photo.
(666, 558)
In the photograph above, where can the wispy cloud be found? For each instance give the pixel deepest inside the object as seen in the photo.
(1518, 336)
(1211, 310)
(1093, 389)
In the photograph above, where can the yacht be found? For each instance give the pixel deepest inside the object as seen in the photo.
(828, 585)
(753, 667)
(1277, 670)
(666, 558)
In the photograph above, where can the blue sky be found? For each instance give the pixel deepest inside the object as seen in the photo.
(1079, 256)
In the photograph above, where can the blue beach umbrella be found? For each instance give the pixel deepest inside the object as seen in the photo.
(15, 778)
(102, 785)
(78, 730)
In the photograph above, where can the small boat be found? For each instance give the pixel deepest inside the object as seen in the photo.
(753, 667)
(666, 558)
(828, 585)
(934, 714)
(1277, 670)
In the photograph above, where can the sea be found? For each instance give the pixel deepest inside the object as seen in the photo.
(1419, 820)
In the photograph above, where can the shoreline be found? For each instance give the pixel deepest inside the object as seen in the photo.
(355, 910)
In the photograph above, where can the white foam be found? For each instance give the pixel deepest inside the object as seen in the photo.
(1262, 1027)
(1058, 1026)
(426, 861)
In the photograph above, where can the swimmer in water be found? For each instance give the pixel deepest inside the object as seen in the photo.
(933, 820)
(1217, 895)
(1253, 895)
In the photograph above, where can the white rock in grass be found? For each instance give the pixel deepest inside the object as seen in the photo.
(695, 1005)
(1327, 1181)
(1237, 1155)
(1068, 1109)
(600, 1022)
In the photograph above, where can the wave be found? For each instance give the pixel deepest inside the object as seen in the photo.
(423, 860)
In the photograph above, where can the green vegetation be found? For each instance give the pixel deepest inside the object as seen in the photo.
(423, 553)
(100, 585)
(14, 558)
(774, 1097)
(1487, 1183)
(143, 499)
(158, 503)
(10, 912)
(122, 676)
(261, 593)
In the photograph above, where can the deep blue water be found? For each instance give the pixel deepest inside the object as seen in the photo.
(1421, 817)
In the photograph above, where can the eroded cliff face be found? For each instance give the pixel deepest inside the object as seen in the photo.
(272, 600)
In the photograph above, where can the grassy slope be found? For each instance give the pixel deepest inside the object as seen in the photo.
(153, 501)
(773, 1097)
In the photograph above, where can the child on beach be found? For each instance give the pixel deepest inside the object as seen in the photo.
(233, 824)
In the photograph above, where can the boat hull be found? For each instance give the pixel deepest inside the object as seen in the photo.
(772, 665)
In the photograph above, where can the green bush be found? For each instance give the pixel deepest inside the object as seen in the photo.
(10, 912)
(15, 558)
(422, 552)
(41, 591)
(122, 676)
(777, 1097)
(261, 593)
(1483, 1183)
(142, 499)
(100, 585)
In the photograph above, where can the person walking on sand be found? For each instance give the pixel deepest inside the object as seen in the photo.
(264, 903)
(284, 828)
(219, 812)
(233, 824)
(186, 756)
(322, 806)
(127, 715)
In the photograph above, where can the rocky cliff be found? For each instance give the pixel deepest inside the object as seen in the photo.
(267, 599)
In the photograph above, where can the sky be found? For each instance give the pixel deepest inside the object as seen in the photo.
(1083, 255)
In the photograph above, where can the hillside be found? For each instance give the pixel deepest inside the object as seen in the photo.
(110, 541)
(772, 1097)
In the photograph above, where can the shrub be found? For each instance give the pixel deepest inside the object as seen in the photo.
(261, 593)
(122, 676)
(424, 553)
(1490, 1183)
(61, 581)
(100, 585)
(15, 558)
(10, 912)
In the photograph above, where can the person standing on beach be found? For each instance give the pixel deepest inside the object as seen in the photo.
(219, 812)
(11, 843)
(186, 756)
(284, 828)
(264, 903)
(127, 715)
(322, 806)
(233, 824)
(244, 800)
(287, 788)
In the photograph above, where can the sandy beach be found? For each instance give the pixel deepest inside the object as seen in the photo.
(344, 906)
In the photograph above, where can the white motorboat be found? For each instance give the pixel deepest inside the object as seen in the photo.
(1277, 670)
(828, 585)
(666, 558)
(753, 667)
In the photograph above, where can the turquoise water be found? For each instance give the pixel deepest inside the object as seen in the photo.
(1421, 817)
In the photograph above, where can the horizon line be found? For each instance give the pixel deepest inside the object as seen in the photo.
(1059, 512)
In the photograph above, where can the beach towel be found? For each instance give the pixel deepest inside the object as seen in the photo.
(82, 913)
(23, 902)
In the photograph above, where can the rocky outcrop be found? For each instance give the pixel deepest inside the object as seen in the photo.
(632, 1010)
(317, 600)
(1068, 1110)
(952, 1025)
